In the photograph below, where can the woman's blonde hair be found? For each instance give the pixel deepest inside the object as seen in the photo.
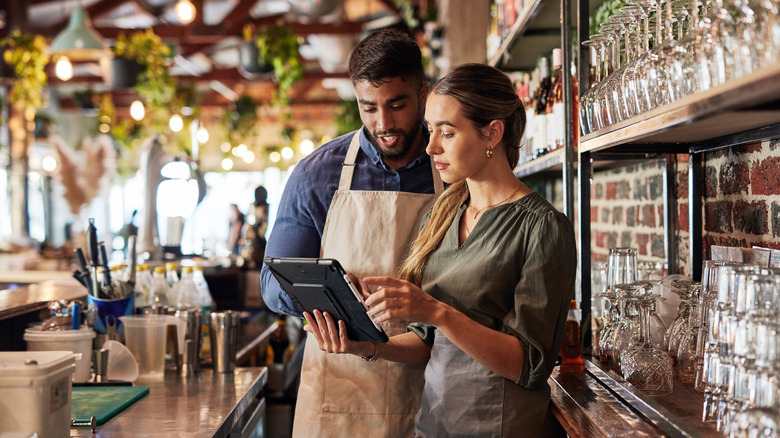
(485, 94)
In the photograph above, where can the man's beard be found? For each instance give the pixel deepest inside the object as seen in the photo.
(407, 141)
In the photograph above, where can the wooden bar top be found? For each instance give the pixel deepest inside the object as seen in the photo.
(592, 401)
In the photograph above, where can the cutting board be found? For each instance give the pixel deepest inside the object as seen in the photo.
(103, 401)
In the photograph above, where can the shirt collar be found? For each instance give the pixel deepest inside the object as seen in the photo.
(373, 155)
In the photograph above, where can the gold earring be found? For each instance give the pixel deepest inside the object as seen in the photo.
(489, 153)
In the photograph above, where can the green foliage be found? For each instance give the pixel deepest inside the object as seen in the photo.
(279, 47)
(155, 86)
(348, 116)
(609, 7)
(28, 54)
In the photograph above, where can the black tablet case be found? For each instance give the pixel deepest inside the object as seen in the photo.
(320, 284)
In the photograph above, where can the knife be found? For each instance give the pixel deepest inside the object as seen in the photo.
(83, 273)
(106, 271)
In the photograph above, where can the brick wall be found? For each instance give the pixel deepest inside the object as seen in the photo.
(741, 205)
(627, 210)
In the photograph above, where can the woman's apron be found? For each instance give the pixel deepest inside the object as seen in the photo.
(463, 398)
(369, 233)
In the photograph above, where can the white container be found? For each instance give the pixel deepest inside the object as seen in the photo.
(35, 392)
(77, 341)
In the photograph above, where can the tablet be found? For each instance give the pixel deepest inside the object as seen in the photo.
(323, 284)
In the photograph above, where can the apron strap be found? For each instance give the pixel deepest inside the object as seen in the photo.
(348, 167)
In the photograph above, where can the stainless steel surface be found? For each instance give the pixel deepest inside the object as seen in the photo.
(100, 363)
(193, 329)
(209, 404)
(709, 114)
(223, 333)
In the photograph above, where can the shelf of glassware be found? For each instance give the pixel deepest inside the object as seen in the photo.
(522, 23)
(742, 104)
(552, 161)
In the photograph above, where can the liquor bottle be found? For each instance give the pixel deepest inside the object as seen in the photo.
(279, 348)
(540, 114)
(571, 349)
(554, 108)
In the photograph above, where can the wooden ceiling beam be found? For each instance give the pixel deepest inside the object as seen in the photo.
(95, 11)
(228, 75)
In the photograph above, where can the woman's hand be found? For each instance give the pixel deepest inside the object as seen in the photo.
(401, 300)
(359, 285)
(332, 337)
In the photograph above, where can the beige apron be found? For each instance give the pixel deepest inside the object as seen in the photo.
(369, 233)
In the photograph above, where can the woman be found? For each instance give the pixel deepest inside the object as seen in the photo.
(489, 278)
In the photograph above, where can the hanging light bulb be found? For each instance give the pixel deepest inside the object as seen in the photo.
(185, 11)
(227, 164)
(137, 110)
(64, 69)
(203, 135)
(306, 147)
(79, 41)
(287, 153)
(176, 123)
(275, 156)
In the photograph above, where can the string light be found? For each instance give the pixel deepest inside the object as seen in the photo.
(227, 164)
(287, 153)
(275, 156)
(306, 147)
(203, 135)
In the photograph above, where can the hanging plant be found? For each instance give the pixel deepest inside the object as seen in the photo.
(279, 47)
(155, 86)
(28, 55)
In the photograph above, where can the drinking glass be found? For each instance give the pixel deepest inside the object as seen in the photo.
(644, 366)
(621, 266)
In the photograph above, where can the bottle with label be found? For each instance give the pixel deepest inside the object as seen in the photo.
(571, 349)
(554, 109)
(206, 303)
(540, 112)
(159, 290)
(279, 349)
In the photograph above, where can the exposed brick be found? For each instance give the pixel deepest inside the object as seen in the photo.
(631, 216)
(656, 187)
(682, 184)
(765, 177)
(774, 144)
(594, 214)
(775, 219)
(720, 153)
(605, 214)
(640, 189)
(612, 190)
(612, 240)
(682, 217)
(617, 216)
(641, 242)
(751, 217)
(660, 209)
(710, 182)
(747, 148)
(734, 178)
(624, 190)
(625, 239)
(657, 246)
(600, 238)
(717, 217)
(599, 190)
(683, 158)
(648, 215)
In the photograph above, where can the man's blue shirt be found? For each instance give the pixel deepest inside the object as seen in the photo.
(300, 219)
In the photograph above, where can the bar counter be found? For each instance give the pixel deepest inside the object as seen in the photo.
(593, 401)
(208, 404)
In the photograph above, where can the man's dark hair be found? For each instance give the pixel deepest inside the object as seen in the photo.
(386, 54)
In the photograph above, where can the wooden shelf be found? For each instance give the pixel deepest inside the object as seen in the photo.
(552, 161)
(743, 104)
(524, 19)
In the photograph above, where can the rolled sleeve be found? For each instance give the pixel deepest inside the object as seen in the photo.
(543, 293)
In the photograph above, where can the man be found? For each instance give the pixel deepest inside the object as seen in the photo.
(359, 199)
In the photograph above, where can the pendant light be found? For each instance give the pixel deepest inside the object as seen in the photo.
(79, 41)
(185, 11)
